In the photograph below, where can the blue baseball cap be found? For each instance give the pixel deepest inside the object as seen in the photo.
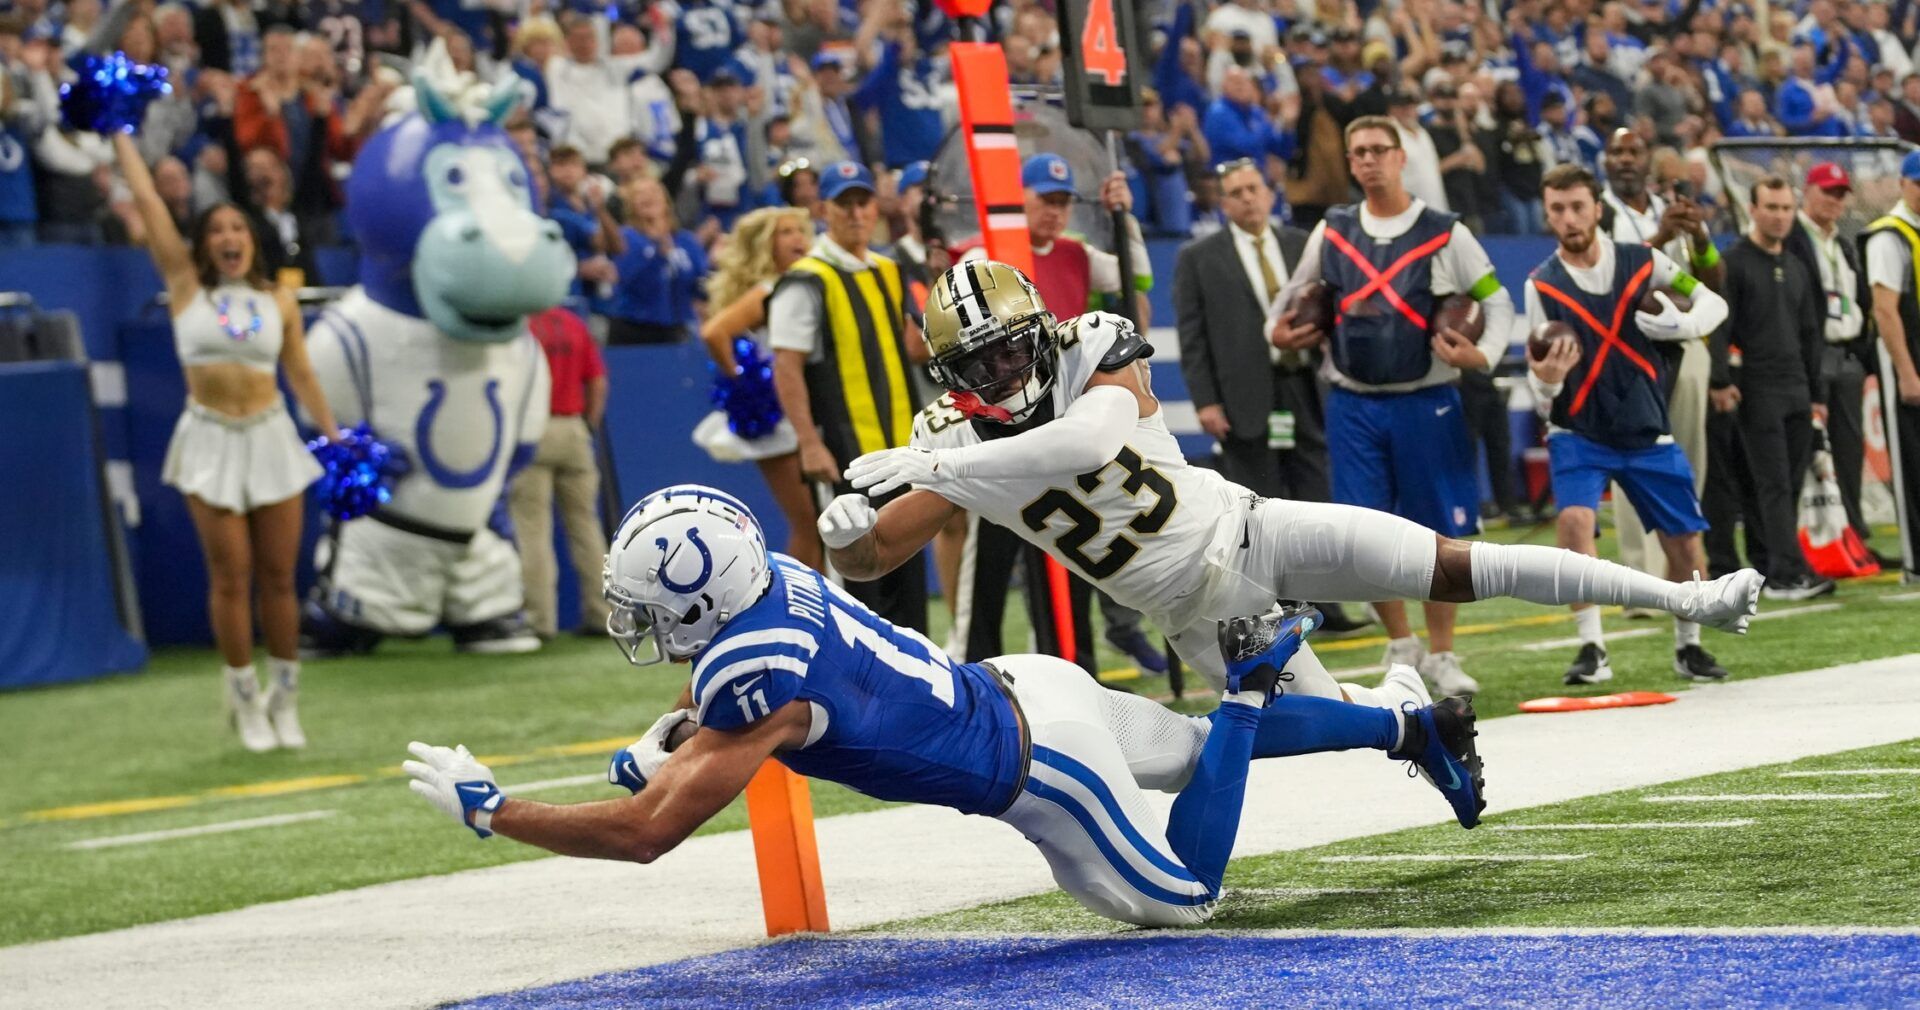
(841, 176)
(1047, 173)
(1910, 166)
(914, 174)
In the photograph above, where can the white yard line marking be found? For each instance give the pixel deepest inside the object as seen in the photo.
(1818, 608)
(1462, 857)
(1902, 596)
(1768, 798)
(1556, 644)
(571, 780)
(248, 824)
(1627, 826)
(1849, 771)
(1360, 671)
(1306, 892)
(1407, 932)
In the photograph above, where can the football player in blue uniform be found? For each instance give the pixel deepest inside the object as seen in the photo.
(787, 665)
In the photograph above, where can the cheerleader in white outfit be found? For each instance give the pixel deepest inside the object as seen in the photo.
(235, 453)
(764, 245)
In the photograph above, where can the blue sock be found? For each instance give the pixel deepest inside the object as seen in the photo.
(1206, 814)
(1302, 724)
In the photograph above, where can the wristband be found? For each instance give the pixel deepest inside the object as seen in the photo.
(1704, 260)
(480, 799)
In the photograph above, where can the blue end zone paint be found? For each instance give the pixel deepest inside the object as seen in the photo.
(1208, 970)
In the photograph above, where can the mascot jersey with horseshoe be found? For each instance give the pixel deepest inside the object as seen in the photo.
(431, 350)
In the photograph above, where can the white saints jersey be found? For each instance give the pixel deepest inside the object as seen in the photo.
(458, 410)
(1138, 527)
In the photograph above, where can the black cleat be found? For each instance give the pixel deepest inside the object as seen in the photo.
(1590, 666)
(1258, 648)
(1440, 743)
(1806, 587)
(1692, 662)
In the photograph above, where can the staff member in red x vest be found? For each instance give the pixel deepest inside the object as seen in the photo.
(1607, 414)
(1395, 435)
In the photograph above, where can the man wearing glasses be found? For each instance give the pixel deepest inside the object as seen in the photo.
(1395, 433)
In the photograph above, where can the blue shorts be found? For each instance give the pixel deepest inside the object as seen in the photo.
(1658, 480)
(1407, 454)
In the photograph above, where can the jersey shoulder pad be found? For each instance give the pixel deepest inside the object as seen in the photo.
(1110, 340)
(742, 678)
(941, 425)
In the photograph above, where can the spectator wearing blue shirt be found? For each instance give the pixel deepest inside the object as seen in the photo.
(1237, 127)
(1165, 149)
(661, 291)
(1796, 104)
(1181, 65)
(1751, 119)
(908, 89)
(534, 43)
(1567, 142)
(721, 137)
(1540, 73)
(17, 212)
(706, 33)
(577, 203)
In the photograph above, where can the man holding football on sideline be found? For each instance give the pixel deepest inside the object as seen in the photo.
(1600, 386)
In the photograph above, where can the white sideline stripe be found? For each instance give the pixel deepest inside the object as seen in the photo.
(571, 780)
(143, 837)
(1849, 771)
(1553, 645)
(1460, 857)
(1306, 892)
(1396, 932)
(1903, 596)
(1768, 798)
(1818, 608)
(574, 918)
(1627, 826)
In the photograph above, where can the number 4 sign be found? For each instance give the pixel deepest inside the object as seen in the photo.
(1101, 58)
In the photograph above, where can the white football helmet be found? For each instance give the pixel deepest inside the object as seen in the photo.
(684, 562)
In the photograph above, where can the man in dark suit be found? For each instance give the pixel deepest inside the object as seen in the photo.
(1262, 404)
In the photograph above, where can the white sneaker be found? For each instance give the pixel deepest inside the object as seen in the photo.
(1404, 652)
(1725, 603)
(1403, 685)
(246, 710)
(1442, 670)
(282, 713)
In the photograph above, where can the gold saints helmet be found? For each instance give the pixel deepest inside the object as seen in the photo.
(992, 341)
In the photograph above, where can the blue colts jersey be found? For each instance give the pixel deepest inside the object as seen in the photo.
(893, 717)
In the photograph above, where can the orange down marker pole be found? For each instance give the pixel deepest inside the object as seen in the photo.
(780, 815)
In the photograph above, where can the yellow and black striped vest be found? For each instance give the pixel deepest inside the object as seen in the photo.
(1910, 298)
(861, 395)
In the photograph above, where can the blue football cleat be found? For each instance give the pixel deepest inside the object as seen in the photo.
(1440, 745)
(1258, 648)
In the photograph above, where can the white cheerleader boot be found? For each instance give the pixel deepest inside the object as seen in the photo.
(247, 710)
(282, 697)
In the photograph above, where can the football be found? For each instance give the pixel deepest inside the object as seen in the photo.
(1540, 341)
(1462, 313)
(681, 734)
(1313, 303)
(1650, 304)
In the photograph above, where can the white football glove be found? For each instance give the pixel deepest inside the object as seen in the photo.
(878, 473)
(1669, 324)
(847, 519)
(453, 781)
(634, 765)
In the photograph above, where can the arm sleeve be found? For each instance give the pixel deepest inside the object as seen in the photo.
(1086, 437)
(1189, 314)
(1709, 309)
(793, 317)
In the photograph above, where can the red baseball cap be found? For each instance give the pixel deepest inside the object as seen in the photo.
(1828, 175)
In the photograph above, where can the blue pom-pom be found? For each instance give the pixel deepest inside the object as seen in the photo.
(110, 92)
(747, 396)
(359, 472)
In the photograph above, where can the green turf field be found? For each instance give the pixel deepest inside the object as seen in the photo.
(150, 752)
(1797, 863)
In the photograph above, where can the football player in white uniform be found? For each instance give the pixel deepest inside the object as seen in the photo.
(1051, 430)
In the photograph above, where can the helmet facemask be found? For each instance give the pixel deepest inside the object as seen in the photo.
(1000, 372)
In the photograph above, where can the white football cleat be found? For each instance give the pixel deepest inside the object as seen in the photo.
(246, 710)
(282, 712)
(1725, 603)
(1442, 670)
(1409, 651)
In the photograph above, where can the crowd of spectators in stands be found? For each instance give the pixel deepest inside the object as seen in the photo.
(660, 122)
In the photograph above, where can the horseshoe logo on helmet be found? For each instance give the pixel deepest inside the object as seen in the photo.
(706, 565)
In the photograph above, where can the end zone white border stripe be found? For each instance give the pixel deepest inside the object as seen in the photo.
(1626, 826)
(1768, 798)
(204, 829)
(1462, 857)
(1406, 932)
(1849, 771)
(1555, 644)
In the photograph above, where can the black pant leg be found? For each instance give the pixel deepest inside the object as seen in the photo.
(1772, 452)
(1844, 384)
(1305, 474)
(995, 551)
(1908, 419)
(1720, 500)
(1250, 464)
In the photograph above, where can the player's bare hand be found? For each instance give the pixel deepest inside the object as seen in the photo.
(1453, 347)
(846, 520)
(817, 463)
(1725, 400)
(1559, 362)
(1213, 421)
(879, 473)
(1289, 335)
(1115, 194)
(1908, 386)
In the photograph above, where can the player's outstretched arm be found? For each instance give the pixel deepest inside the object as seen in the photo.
(864, 544)
(697, 782)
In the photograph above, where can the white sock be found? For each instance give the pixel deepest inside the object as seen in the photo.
(1367, 696)
(1685, 633)
(1556, 577)
(284, 673)
(243, 678)
(1251, 699)
(1587, 619)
